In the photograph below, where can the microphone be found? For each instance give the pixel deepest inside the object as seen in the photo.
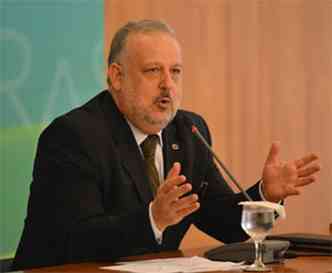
(196, 132)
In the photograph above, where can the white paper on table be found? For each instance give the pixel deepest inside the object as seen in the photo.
(175, 265)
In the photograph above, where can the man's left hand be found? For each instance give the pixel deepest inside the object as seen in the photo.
(282, 179)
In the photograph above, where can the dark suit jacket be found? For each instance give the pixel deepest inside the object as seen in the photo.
(90, 193)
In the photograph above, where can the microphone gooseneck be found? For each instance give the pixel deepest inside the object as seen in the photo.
(196, 132)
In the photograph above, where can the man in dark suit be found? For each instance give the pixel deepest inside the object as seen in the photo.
(95, 194)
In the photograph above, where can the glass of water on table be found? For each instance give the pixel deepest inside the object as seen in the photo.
(257, 221)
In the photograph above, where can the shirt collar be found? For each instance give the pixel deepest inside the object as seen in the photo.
(140, 136)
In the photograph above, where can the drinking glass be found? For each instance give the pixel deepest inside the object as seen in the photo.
(257, 222)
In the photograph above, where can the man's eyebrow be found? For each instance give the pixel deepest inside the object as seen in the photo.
(178, 65)
(160, 64)
(151, 64)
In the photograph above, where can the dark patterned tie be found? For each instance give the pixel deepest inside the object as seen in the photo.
(149, 149)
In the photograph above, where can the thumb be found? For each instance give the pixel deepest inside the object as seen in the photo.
(175, 170)
(273, 153)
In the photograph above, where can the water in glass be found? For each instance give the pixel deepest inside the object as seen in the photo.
(257, 222)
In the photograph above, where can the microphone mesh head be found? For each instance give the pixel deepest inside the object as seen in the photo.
(194, 129)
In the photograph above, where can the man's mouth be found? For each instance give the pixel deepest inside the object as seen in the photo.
(164, 102)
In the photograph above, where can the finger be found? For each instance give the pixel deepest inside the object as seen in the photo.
(173, 178)
(305, 181)
(185, 202)
(273, 153)
(305, 160)
(171, 184)
(174, 171)
(178, 191)
(309, 171)
(188, 210)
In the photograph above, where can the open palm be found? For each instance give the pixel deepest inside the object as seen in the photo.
(282, 179)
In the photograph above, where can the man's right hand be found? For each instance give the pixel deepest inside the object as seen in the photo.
(170, 205)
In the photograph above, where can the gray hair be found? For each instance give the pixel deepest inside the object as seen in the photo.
(142, 26)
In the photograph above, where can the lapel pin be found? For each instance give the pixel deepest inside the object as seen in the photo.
(175, 147)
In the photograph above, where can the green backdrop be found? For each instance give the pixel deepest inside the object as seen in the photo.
(51, 60)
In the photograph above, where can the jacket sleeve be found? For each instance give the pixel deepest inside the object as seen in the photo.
(66, 204)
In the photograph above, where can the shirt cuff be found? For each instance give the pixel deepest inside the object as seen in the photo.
(261, 190)
(158, 235)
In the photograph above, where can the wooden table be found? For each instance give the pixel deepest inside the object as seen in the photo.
(297, 265)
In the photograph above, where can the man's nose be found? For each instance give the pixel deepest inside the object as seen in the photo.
(167, 80)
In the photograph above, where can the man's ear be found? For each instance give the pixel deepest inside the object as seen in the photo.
(114, 74)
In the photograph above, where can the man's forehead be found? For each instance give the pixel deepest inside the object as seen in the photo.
(152, 42)
(150, 35)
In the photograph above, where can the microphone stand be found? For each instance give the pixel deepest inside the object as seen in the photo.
(196, 132)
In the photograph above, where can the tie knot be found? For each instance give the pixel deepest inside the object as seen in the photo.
(149, 146)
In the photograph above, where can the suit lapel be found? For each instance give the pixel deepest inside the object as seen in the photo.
(178, 147)
(130, 156)
(133, 164)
